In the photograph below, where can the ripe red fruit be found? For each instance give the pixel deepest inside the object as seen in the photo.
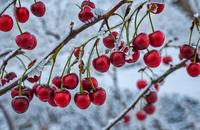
(87, 83)
(141, 41)
(149, 109)
(117, 59)
(82, 100)
(156, 39)
(87, 3)
(167, 60)
(141, 115)
(157, 7)
(51, 100)
(70, 81)
(193, 69)
(156, 86)
(10, 76)
(151, 97)
(109, 41)
(134, 58)
(6, 23)
(141, 84)
(44, 93)
(38, 9)
(187, 51)
(77, 52)
(62, 98)
(57, 81)
(20, 104)
(26, 41)
(33, 79)
(126, 119)
(101, 63)
(86, 14)
(22, 14)
(3, 82)
(98, 97)
(152, 58)
(25, 92)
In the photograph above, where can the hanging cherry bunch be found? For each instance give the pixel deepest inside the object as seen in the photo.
(24, 40)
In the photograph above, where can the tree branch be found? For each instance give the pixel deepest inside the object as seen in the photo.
(137, 99)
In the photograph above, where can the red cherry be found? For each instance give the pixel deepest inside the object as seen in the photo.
(141, 41)
(87, 3)
(10, 76)
(167, 60)
(157, 7)
(156, 39)
(89, 83)
(6, 23)
(25, 92)
(33, 79)
(62, 98)
(77, 51)
(187, 51)
(109, 41)
(101, 63)
(44, 93)
(117, 59)
(57, 81)
(82, 100)
(156, 86)
(141, 115)
(3, 81)
(86, 14)
(51, 100)
(126, 119)
(98, 97)
(193, 69)
(22, 14)
(151, 97)
(70, 81)
(149, 109)
(152, 58)
(35, 87)
(141, 84)
(134, 58)
(20, 104)
(26, 41)
(38, 9)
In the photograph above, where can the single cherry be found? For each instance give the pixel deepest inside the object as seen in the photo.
(44, 93)
(20, 104)
(118, 59)
(77, 52)
(38, 9)
(193, 69)
(141, 115)
(149, 109)
(62, 98)
(126, 119)
(98, 97)
(141, 84)
(86, 14)
(70, 81)
(22, 14)
(109, 41)
(26, 41)
(57, 81)
(141, 41)
(6, 23)
(151, 97)
(89, 83)
(82, 100)
(101, 63)
(167, 60)
(51, 100)
(152, 58)
(187, 51)
(157, 39)
(156, 8)
(134, 58)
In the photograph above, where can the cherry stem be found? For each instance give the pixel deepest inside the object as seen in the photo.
(151, 22)
(67, 64)
(18, 26)
(196, 51)
(21, 61)
(81, 68)
(135, 22)
(27, 57)
(19, 3)
(51, 71)
(191, 32)
(7, 7)
(35, 1)
(97, 50)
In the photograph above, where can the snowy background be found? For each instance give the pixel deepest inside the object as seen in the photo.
(180, 113)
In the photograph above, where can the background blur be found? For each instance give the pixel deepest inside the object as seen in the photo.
(179, 103)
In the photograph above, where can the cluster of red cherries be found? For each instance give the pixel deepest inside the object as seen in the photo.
(86, 14)
(25, 40)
